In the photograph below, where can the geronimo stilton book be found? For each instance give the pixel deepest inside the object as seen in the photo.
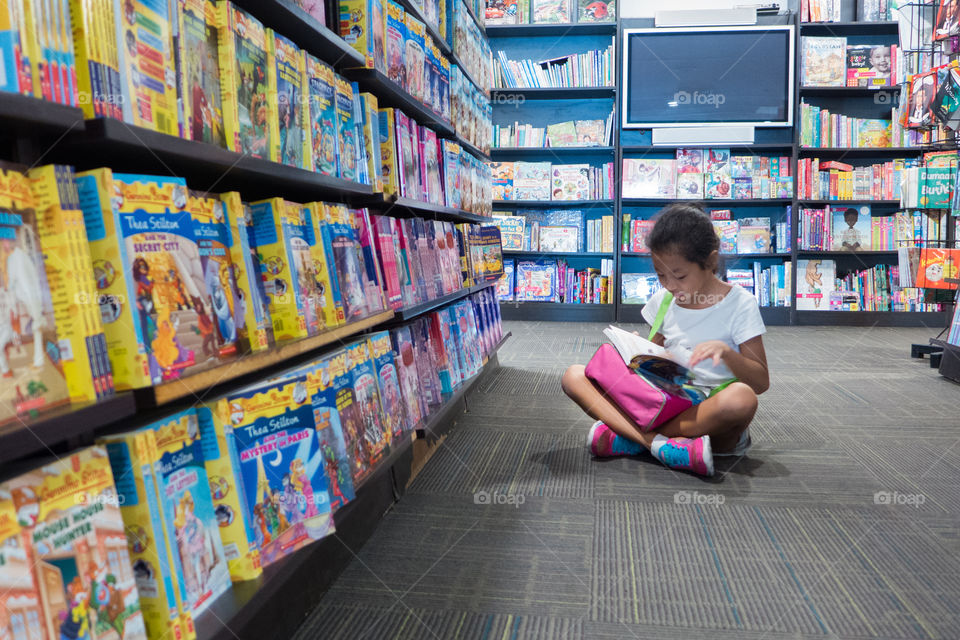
(19, 593)
(351, 423)
(73, 534)
(254, 328)
(328, 300)
(362, 26)
(31, 372)
(281, 466)
(199, 71)
(287, 84)
(320, 85)
(388, 383)
(376, 438)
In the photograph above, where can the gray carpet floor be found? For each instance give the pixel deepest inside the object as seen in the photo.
(842, 522)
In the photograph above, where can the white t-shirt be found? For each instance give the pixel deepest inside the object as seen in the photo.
(734, 320)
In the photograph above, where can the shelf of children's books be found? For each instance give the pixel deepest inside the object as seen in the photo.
(553, 93)
(468, 75)
(843, 29)
(873, 203)
(469, 146)
(410, 208)
(816, 252)
(248, 368)
(509, 152)
(412, 9)
(17, 110)
(557, 311)
(764, 146)
(409, 313)
(931, 319)
(839, 152)
(30, 436)
(389, 94)
(555, 30)
(559, 254)
(551, 203)
(398, 448)
(473, 15)
(850, 92)
(110, 142)
(758, 202)
(288, 19)
(439, 421)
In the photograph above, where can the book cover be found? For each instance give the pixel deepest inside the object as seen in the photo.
(649, 178)
(389, 155)
(414, 57)
(536, 281)
(690, 186)
(559, 239)
(99, 90)
(371, 140)
(375, 437)
(395, 420)
(244, 77)
(347, 143)
(590, 133)
(213, 241)
(563, 134)
(386, 251)
(745, 166)
(327, 287)
(72, 552)
(550, 11)
(186, 507)
(427, 371)
(324, 141)
(500, 12)
(823, 61)
(254, 327)
(858, 66)
(753, 239)
(948, 21)
(742, 188)
(351, 421)
(719, 186)
(285, 486)
(851, 229)
(336, 461)
(432, 178)
(362, 26)
(935, 266)
(506, 285)
(923, 89)
(570, 182)
(531, 181)
(444, 351)
(873, 133)
(396, 36)
(689, 161)
(511, 231)
(199, 72)
(717, 161)
(491, 253)
(502, 173)
(346, 260)
(815, 282)
(287, 92)
(406, 364)
(410, 179)
(727, 231)
(596, 11)
(451, 174)
(369, 261)
(641, 230)
(143, 32)
(946, 104)
(638, 288)
(313, 8)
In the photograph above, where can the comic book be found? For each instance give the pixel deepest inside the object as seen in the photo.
(383, 236)
(72, 538)
(222, 465)
(443, 356)
(21, 594)
(286, 83)
(188, 514)
(143, 32)
(405, 361)
(281, 466)
(320, 377)
(431, 154)
(414, 57)
(372, 276)
(346, 259)
(286, 267)
(346, 130)
(342, 390)
(321, 84)
(395, 418)
(254, 328)
(371, 139)
(375, 438)
(451, 173)
(198, 72)
(409, 181)
(133, 457)
(396, 37)
(570, 182)
(388, 152)
(362, 26)
(427, 370)
(328, 289)
(244, 77)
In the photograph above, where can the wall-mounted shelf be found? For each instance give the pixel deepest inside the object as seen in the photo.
(823, 203)
(410, 208)
(26, 111)
(815, 252)
(760, 202)
(841, 29)
(847, 92)
(551, 203)
(552, 30)
(858, 152)
(510, 152)
(555, 93)
(390, 95)
(646, 148)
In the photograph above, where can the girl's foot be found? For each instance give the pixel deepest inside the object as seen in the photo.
(605, 443)
(740, 449)
(686, 454)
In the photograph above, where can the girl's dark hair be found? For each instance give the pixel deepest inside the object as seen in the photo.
(686, 229)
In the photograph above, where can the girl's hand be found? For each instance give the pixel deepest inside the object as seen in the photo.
(711, 350)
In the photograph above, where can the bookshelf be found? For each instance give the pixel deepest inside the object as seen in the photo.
(552, 93)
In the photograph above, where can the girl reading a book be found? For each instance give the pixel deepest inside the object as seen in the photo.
(716, 326)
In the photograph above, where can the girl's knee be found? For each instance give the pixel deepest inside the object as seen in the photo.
(573, 378)
(738, 401)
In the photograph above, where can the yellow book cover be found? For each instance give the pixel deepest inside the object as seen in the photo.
(302, 241)
(388, 151)
(31, 369)
(221, 299)
(288, 96)
(371, 139)
(281, 249)
(347, 144)
(253, 319)
(147, 74)
(70, 513)
(199, 72)
(21, 594)
(31, 44)
(362, 25)
(133, 457)
(75, 302)
(240, 545)
(320, 85)
(115, 292)
(328, 293)
(245, 71)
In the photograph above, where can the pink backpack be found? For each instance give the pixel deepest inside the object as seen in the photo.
(647, 404)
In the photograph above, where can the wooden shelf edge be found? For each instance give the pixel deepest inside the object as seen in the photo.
(202, 381)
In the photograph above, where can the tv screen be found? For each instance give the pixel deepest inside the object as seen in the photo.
(708, 76)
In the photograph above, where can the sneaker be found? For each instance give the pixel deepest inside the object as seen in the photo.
(743, 445)
(603, 442)
(686, 454)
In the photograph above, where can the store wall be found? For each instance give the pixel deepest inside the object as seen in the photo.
(647, 8)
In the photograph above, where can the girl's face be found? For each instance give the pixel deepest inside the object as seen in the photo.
(687, 281)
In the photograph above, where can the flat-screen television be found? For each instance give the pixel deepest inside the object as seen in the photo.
(699, 76)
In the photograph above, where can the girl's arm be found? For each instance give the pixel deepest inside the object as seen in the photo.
(749, 366)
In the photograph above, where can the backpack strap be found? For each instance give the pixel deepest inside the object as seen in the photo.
(661, 314)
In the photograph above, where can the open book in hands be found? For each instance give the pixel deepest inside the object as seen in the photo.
(665, 369)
